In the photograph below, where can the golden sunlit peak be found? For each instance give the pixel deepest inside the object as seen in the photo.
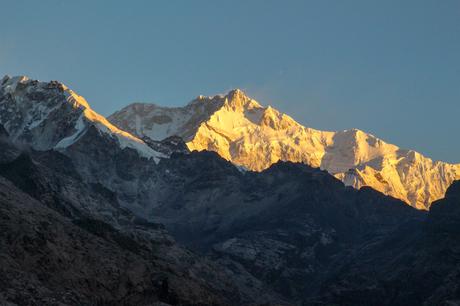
(238, 99)
(236, 92)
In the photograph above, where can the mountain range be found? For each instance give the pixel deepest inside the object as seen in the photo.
(92, 213)
(248, 134)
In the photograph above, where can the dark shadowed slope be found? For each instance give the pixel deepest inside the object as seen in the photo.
(416, 265)
(287, 226)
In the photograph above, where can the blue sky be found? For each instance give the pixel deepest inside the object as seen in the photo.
(391, 68)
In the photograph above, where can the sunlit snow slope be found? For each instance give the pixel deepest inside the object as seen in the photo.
(250, 135)
(48, 115)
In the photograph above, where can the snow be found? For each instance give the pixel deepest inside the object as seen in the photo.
(24, 115)
(103, 125)
(242, 169)
(12, 83)
(242, 131)
(235, 126)
(165, 121)
(42, 111)
(80, 128)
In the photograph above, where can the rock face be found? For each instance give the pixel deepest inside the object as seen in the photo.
(242, 131)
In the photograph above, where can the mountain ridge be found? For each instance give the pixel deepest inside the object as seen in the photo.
(243, 131)
(49, 115)
(97, 223)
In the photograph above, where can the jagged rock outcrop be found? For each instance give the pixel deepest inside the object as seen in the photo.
(250, 135)
(167, 146)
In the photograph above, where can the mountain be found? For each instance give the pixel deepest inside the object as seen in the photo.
(99, 223)
(248, 134)
(49, 115)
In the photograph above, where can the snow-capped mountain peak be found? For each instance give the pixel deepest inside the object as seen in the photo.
(248, 134)
(49, 115)
(237, 99)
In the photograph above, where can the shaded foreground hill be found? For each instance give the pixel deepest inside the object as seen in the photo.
(416, 265)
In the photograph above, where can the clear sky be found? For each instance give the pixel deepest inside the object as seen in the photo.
(391, 68)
